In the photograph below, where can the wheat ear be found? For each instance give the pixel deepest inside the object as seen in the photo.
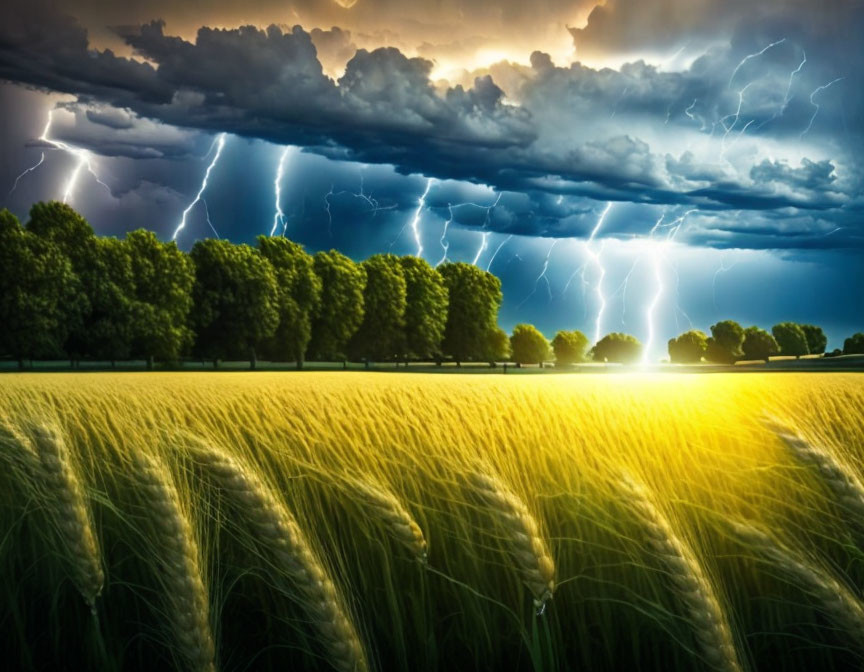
(689, 581)
(178, 556)
(50, 464)
(276, 529)
(527, 548)
(386, 507)
(844, 484)
(837, 600)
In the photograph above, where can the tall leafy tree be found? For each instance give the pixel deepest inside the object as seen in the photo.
(497, 346)
(759, 344)
(618, 348)
(791, 339)
(341, 311)
(299, 298)
(236, 302)
(472, 311)
(817, 341)
(37, 289)
(60, 225)
(854, 345)
(163, 278)
(381, 332)
(111, 316)
(425, 309)
(569, 347)
(724, 345)
(688, 348)
(528, 345)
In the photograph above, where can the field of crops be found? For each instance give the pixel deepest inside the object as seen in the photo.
(363, 521)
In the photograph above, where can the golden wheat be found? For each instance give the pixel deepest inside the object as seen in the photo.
(61, 487)
(527, 548)
(839, 479)
(177, 554)
(386, 507)
(689, 581)
(276, 529)
(836, 600)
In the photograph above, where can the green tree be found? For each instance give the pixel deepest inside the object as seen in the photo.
(111, 298)
(59, 224)
(817, 341)
(341, 311)
(497, 346)
(528, 345)
(235, 298)
(791, 339)
(759, 344)
(425, 309)
(854, 345)
(724, 345)
(472, 312)
(618, 348)
(381, 332)
(163, 279)
(37, 286)
(569, 347)
(299, 298)
(688, 348)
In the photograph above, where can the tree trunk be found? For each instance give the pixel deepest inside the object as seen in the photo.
(150, 363)
(215, 362)
(253, 359)
(458, 364)
(299, 363)
(344, 364)
(21, 364)
(113, 364)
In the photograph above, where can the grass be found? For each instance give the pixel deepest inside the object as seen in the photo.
(638, 498)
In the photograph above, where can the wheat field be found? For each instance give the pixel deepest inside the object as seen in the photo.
(368, 521)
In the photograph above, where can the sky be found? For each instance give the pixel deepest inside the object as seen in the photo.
(646, 166)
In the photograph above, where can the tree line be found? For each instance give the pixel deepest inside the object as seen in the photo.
(67, 293)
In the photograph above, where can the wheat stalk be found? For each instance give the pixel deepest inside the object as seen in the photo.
(689, 581)
(385, 506)
(47, 460)
(837, 600)
(527, 548)
(179, 558)
(842, 482)
(276, 529)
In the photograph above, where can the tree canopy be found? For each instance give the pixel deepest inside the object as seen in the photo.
(725, 344)
(688, 348)
(791, 339)
(425, 309)
(381, 332)
(854, 345)
(617, 348)
(236, 299)
(475, 297)
(759, 344)
(299, 296)
(569, 347)
(817, 341)
(528, 345)
(342, 304)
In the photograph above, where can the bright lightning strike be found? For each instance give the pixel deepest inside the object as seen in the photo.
(484, 243)
(84, 160)
(750, 57)
(415, 221)
(219, 144)
(484, 238)
(445, 244)
(601, 271)
(498, 249)
(279, 216)
(542, 275)
(29, 170)
(816, 105)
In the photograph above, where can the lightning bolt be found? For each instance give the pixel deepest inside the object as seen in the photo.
(84, 161)
(279, 216)
(498, 249)
(594, 255)
(207, 215)
(484, 237)
(542, 275)
(445, 245)
(722, 269)
(750, 57)
(219, 143)
(415, 221)
(29, 170)
(816, 105)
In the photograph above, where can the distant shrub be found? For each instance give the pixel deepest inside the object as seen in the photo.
(688, 348)
(618, 348)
